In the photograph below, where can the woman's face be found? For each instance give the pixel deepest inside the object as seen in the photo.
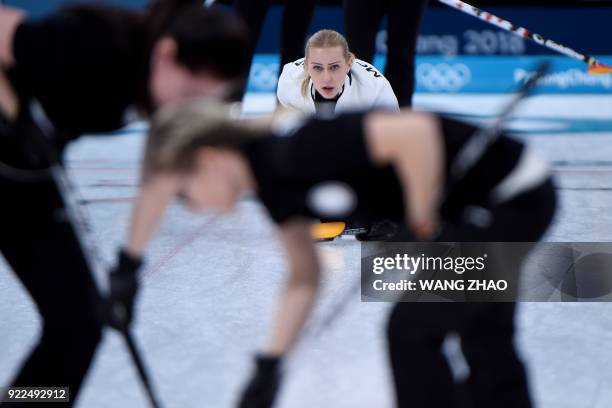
(327, 67)
(172, 82)
(213, 184)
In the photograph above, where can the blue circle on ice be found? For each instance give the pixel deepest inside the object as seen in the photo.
(331, 199)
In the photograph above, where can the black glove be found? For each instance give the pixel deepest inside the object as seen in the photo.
(123, 288)
(262, 388)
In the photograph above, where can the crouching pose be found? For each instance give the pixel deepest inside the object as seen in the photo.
(86, 69)
(375, 165)
(329, 79)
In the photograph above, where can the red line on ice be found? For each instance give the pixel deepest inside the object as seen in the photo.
(190, 239)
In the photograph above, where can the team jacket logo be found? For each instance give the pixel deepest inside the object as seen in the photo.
(369, 68)
(443, 77)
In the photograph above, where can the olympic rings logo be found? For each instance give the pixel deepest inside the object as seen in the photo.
(263, 77)
(443, 77)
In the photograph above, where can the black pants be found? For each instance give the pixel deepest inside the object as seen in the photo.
(416, 330)
(422, 377)
(294, 27)
(362, 19)
(41, 247)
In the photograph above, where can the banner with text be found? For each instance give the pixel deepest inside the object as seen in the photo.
(470, 74)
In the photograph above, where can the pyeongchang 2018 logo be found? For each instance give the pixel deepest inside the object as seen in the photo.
(443, 77)
(567, 79)
(263, 77)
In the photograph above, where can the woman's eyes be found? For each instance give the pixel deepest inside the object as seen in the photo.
(320, 68)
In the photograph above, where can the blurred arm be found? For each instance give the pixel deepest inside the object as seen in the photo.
(9, 104)
(299, 294)
(155, 194)
(9, 20)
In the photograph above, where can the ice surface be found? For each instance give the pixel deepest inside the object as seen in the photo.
(210, 283)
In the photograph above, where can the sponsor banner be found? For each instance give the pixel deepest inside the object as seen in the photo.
(486, 272)
(499, 74)
(37, 8)
(449, 32)
(446, 31)
(470, 74)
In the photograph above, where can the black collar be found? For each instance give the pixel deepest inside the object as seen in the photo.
(317, 97)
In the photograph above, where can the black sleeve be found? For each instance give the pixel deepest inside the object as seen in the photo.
(80, 64)
(51, 43)
(498, 159)
(496, 162)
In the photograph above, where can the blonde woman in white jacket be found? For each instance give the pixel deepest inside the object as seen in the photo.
(329, 80)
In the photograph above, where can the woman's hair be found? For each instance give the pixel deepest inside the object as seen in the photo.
(160, 14)
(324, 39)
(179, 130)
(207, 38)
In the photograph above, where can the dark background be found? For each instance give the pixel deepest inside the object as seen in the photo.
(555, 3)
(36, 5)
(585, 25)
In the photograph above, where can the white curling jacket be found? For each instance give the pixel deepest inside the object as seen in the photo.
(364, 88)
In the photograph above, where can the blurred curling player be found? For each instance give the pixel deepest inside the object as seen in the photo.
(82, 70)
(404, 157)
(330, 80)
